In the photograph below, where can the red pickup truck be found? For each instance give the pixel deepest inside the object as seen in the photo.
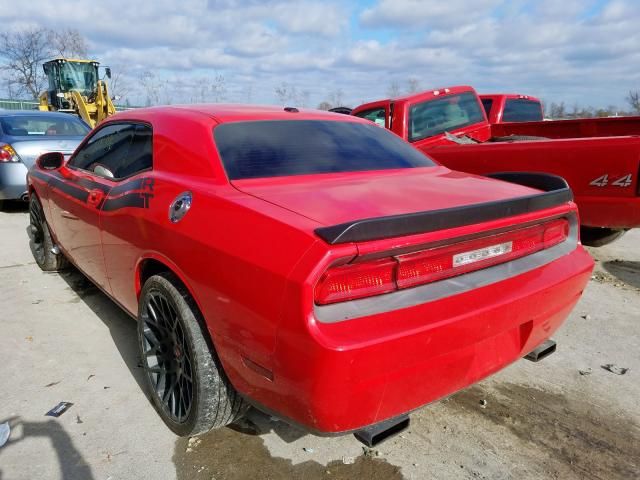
(450, 125)
(511, 107)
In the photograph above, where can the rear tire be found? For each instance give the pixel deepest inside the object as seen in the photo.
(40, 241)
(188, 386)
(517, 138)
(598, 237)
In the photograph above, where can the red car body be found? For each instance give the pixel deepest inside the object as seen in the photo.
(511, 107)
(254, 255)
(601, 170)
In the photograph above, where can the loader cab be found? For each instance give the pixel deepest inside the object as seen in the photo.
(66, 75)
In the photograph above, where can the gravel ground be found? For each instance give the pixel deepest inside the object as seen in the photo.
(62, 340)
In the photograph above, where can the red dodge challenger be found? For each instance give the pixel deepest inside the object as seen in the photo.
(310, 264)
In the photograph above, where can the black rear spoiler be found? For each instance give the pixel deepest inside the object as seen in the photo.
(555, 189)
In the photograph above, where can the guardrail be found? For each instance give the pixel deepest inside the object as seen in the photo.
(10, 104)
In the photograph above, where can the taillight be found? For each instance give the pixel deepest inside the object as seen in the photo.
(359, 280)
(348, 282)
(8, 154)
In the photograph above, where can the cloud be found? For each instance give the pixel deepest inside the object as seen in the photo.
(583, 51)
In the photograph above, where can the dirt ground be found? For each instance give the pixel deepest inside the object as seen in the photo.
(62, 340)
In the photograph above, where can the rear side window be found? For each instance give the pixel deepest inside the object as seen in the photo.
(521, 110)
(376, 115)
(116, 151)
(277, 148)
(43, 126)
(487, 103)
(440, 115)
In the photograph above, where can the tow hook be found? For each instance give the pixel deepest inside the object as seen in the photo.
(375, 434)
(543, 351)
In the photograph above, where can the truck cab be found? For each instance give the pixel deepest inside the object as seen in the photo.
(512, 107)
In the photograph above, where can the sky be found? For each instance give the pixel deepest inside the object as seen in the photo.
(583, 52)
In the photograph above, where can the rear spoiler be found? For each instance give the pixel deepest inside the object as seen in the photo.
(555, 191)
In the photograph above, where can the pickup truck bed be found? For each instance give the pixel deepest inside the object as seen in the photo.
(450, 125)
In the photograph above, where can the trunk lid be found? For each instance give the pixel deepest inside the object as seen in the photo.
(332, 199)
(29, 149)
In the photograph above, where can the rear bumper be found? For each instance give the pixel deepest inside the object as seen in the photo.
(13, 180)
(609, 212)
(339, 377)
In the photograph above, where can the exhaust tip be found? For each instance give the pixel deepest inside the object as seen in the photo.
(378, 433)
(24, 197)
(543, 351)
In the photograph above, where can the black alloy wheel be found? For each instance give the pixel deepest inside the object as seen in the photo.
(167, 356)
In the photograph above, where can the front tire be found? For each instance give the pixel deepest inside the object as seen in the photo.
(185, 378)
(40, 241)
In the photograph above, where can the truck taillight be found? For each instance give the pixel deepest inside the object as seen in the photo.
(365, 279)
(8, 154)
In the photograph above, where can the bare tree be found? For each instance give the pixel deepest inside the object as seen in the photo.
(286, 93)
(324, 105)
(557, 110)
(218, 85)
(413, 85)
(155, 88)
(119, 87)
(23, 54)
(633, 99)
(336, 97)
(394, 89)
(67, 43)
(248, 92)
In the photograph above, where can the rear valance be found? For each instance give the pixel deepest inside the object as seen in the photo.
(555, 189)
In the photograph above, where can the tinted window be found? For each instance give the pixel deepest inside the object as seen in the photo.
(487, 103)
(521, 110)
(116, 151)
(278, 148)
(443, 114)
(377, 116)
(42, 125)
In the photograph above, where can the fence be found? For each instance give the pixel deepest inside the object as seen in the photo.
(9, 104)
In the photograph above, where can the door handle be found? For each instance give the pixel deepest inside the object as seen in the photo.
(95, 197)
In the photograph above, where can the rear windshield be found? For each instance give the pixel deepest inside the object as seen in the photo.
(42, 125)
(487, 103)
(279, 148)
(521, 110)
(444, 114)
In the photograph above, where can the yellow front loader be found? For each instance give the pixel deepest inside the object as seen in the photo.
(76, 87)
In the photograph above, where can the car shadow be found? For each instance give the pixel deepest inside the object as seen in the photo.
(13, 206)
(122, 327)
(123, 330)
(71, 463)
(625, 271)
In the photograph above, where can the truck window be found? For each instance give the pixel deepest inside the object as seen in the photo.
(375, 115)
(487, 103)
(432, 117)
(522, 110)
(276, 148)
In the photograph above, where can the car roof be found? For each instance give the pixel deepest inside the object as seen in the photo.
(31, 113)
(223, 113)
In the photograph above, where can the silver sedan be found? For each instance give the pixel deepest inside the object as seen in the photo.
(24, 136)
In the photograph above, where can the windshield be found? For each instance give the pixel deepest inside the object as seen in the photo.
(42, 125)
(277, 148)
(432, 117)
(521, 110)
(78, 76)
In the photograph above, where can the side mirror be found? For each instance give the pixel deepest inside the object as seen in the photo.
(50, 161)
(107, 72)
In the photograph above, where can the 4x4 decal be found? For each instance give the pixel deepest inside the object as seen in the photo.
(603, 181)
